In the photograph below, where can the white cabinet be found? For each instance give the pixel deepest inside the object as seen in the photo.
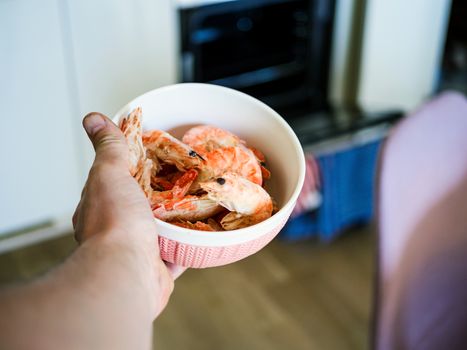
(60, 59)
(403, 43)
(121, 49)
(39, 170)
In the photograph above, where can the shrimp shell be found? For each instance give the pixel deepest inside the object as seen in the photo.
(206, 138)
(177, 191)
(191, 208)
(183, 183)
(238, 159)
(248, 202)
(214, 225)
(132, 130)
(163, 146)
(224, 152)
(161, 183)
(234, 221)
(265, 173)
(143, 176)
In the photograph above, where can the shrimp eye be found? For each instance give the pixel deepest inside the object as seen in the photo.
(220, 180)
(194, 154)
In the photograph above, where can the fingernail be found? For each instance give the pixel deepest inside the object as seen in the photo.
(93, 122)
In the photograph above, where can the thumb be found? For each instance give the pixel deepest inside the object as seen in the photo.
(108, 141)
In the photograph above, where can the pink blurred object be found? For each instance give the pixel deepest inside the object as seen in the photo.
(310, 197)
(179, 107)
(422, 284)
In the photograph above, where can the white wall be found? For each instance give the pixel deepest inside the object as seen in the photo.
(39, 173)
(60, 59)
(120, 50)
(402, 46)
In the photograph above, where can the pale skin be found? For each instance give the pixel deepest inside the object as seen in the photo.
(108, 292)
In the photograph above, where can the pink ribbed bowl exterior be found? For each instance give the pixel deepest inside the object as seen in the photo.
(201, 257)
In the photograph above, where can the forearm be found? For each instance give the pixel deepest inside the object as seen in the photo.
(105, 296)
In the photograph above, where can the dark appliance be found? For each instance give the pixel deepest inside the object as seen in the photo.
(275, 50)
(453, 72)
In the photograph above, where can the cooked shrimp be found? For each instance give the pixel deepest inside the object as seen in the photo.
(206, 138)
(143, 176)
(213, 160)
(159, 197)
(258, 154)
(266, 174)
(183, 183)
(168, 149)
(131, 128)
(238, 159)
(214, 225)
(198, 225)
(223, 152)
(248, 202)
(190, 208)
(177, 191)
(161, 183)
(156, 166)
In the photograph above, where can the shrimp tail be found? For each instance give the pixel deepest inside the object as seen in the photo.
(234, 220)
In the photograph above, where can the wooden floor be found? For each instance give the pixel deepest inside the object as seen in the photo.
(288, 296)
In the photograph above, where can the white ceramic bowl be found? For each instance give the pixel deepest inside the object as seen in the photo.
(177, 107)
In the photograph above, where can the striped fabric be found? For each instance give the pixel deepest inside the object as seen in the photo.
(345, 181)
(309, 197)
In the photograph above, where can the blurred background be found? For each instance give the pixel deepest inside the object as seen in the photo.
(341, 72)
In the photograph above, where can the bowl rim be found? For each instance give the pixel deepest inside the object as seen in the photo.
(212, 238)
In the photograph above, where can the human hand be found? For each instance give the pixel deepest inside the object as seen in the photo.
(114, 211)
